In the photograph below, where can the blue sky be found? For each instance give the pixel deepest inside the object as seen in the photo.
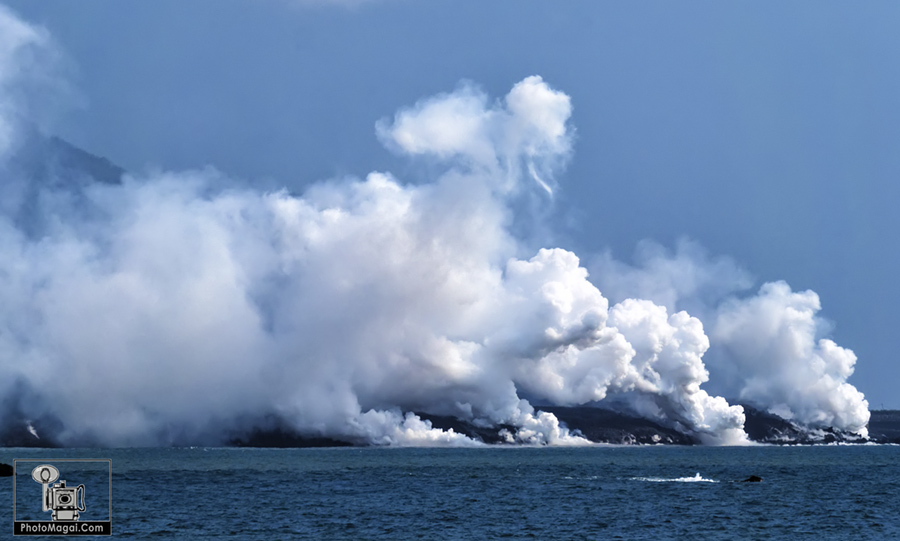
(766, 131)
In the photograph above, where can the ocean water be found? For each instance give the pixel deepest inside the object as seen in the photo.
(602, 492)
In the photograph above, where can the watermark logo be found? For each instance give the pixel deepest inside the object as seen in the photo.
(65, 502)
(60, 499)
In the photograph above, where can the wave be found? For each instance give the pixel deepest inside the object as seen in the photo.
(697, 478)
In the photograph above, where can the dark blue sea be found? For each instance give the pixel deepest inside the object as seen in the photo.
(652, 492)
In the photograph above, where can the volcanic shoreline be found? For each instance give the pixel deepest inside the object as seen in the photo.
(595, 424)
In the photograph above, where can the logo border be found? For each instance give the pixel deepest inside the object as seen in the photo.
(54, 461)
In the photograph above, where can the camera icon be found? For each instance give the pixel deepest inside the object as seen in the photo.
(63, 501)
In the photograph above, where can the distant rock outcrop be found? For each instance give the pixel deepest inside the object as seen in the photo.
(51, 161)
(43, 175)
(596, 424)
(17, 434)
(480, 433)
(766, 427)
(17, 430)
(607, 426)
(281, 438)
(884, 426)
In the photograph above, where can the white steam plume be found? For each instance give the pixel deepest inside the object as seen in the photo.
(772, 341)
(172, 308)
(179, 308)
(768, 349)
(528, 130)
(25, 51)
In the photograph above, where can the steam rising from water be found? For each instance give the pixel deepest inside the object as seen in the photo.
(177, 308)
(768, 349)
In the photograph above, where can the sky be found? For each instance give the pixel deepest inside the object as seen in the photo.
(758, 138)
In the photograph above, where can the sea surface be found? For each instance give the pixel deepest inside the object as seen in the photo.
(601, 492)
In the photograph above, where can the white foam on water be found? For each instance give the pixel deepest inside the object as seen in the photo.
(697, 478)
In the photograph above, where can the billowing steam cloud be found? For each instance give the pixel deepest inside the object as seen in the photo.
(23, 52)
(768, 349)
(770, 341)
(174, 307)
